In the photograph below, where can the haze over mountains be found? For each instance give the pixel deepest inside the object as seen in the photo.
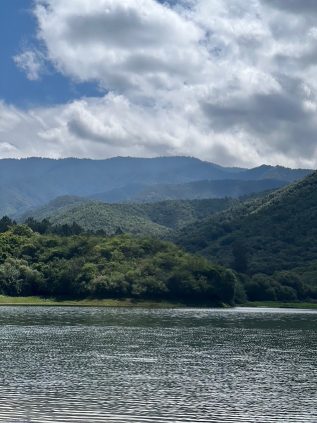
(30, 183)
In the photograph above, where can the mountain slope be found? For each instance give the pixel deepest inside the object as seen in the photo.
(190, 190)
(143, 219)
(28, 183)
(277, 232)
(36, 181)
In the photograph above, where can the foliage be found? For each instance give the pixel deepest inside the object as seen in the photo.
(269, 242)
(85, 265)
(141, 219)
(271, 239)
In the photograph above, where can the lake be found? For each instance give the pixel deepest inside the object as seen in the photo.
(138, 365)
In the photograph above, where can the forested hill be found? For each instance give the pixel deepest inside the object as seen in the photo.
(107, 267)
(267, 235)
(142, 219)
(270, 242)
(29, 183)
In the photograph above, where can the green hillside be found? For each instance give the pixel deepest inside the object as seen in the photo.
(107, 267)
(270, 240)
(264, 236)
(142, 219)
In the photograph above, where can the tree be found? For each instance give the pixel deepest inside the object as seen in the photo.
(22, 230)
(5, 224)
(240, 257)
(42, 227)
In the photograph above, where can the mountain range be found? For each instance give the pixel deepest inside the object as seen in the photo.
(33, 182)
(267, 238)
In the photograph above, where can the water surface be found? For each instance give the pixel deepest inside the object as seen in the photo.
(135, 365)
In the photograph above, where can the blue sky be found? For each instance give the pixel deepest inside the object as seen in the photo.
(18, 29)
(228, 81)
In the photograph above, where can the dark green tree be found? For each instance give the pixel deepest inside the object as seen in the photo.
(240, 257)
(5, 224)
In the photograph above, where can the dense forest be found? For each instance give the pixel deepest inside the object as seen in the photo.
(156, 219)
(65, 265)
(268, 240)
(216, 251)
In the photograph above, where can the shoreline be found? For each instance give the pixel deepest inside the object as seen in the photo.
(278, 304)
(133, 303)
(55, 302)
(104, 303)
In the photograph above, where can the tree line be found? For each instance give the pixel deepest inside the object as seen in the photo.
(85, 265)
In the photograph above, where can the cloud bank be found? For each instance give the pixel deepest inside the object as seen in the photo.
(228, 81)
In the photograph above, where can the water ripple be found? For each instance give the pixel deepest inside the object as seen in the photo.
(110, 365)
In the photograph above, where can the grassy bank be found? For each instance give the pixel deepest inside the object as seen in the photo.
(128, 302)
(39, 301)
(279, 304)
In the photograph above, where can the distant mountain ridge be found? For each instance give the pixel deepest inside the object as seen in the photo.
(29, 183)
(188, 191)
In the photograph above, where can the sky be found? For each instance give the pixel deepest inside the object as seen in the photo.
(228, 81)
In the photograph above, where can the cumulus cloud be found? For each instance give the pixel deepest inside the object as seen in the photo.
(137, 45)
(225, 80)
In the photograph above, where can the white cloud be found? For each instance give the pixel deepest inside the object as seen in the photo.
(225, 80)
(137, 45)
(31, 62)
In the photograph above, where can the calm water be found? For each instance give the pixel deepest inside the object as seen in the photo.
(123, 365)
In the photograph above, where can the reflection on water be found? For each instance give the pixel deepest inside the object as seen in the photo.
(132, 365)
